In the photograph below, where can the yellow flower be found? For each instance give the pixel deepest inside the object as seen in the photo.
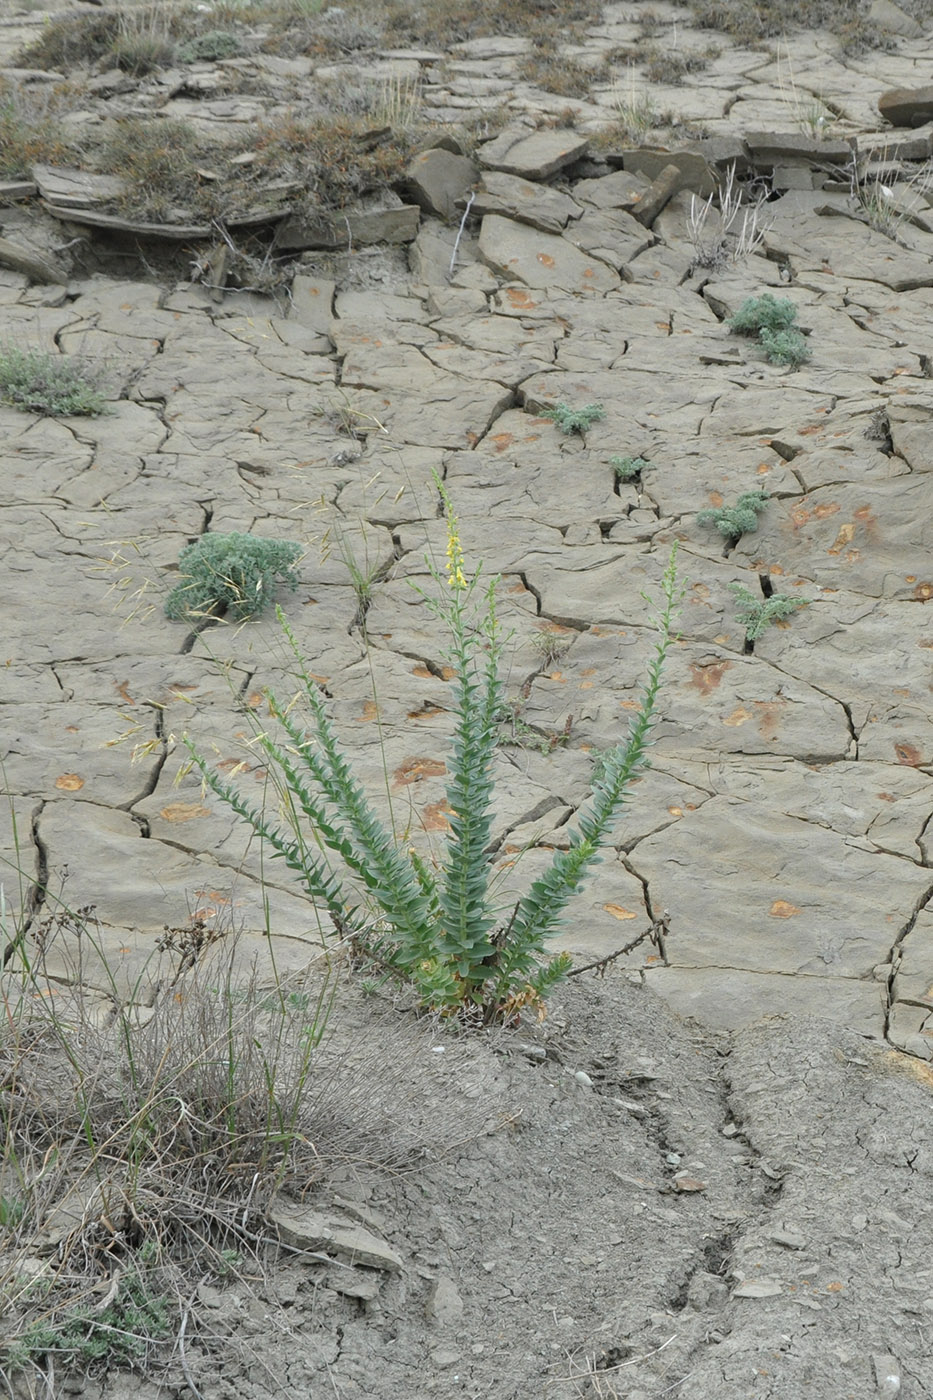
(455, 575)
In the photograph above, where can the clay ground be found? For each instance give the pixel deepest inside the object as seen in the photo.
(734, 1200)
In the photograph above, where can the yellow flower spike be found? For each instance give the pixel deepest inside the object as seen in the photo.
(455, 575)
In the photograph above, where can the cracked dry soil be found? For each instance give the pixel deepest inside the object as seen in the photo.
(734, 1199)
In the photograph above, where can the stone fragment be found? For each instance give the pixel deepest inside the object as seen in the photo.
(111, 83)
(659, 193)
(306, 1228)
(907, 106)
(539, 259)
(696, 173)
(723, 151)
(76, 189)
(758, 1288)
(892, 18)
(911, 427)
(539, 205)
(887, 1369)
(620, 190)
(437, 179)
(612, 235)
(533, 155)
(767, 148)
(444, 1304)
(13, 190)
(32, 265)
(398, 225)
(312, 302)
(790, 1239)
(353, 1284)
(706, 1291)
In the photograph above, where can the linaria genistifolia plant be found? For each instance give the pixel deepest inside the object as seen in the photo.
(435, 923)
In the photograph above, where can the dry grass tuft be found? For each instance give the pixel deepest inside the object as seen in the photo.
(143, 1143)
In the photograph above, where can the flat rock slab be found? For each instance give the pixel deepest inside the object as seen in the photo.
(834, 915)
(533, 156)
(333, 1234)
(530, 203)
(907, 106)
(541, 259)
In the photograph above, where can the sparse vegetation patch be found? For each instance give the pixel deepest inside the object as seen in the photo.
(236, 574)
(56, 386)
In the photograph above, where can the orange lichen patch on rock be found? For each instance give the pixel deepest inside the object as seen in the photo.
(216, 896)
(781, 909)
(369, 712)
(426, 674)
(715, 498)
(415, 770)
(923, 592)
(69, 782)
(885, 797)
(184, 812)
(426, 711)
(706, 676)
(546, 260)
(256, 697)
(739, 716)
(434, 816)
(233, 766)
(909, 755)
(519, 298)
(123, 691)
(802, 513)
(845, 537)
(500, 441)
(617, 911)
(918, 1069)
(676, 811)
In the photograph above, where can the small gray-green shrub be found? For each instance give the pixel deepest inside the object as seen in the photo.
(83, 1338)
(784, 347)
(235, 574)
(755, 614)
(737, 520)
(208, 47)
(628, 468)
(58, 386)
(574, 420)
(773, 321)
(763, 313)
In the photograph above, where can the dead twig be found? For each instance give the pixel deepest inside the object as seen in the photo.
(657, 932)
